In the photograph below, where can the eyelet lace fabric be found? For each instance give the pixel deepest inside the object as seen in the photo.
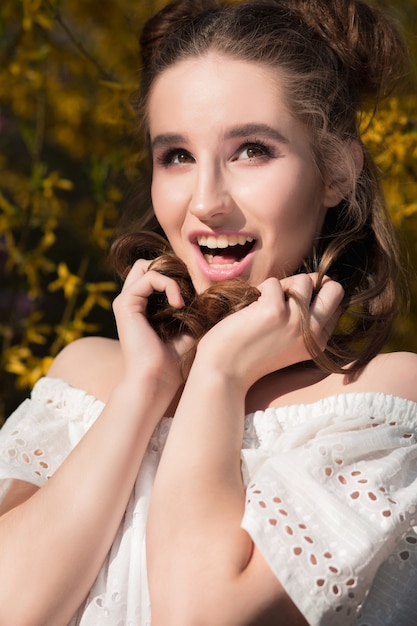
(331, 502)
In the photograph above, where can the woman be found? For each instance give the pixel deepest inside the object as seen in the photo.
(303, 511)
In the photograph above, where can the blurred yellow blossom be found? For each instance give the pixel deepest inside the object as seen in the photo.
(26, 367)
(53, 182)
(74, 329)
(66, 281)
(97, 295)
(70, 156)
(37, 332)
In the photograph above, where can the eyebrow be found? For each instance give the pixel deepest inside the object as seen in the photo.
(244, 130)
(167, 139)
(256, 129)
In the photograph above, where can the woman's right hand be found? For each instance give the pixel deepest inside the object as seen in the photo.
(99, 472)
(143, 351)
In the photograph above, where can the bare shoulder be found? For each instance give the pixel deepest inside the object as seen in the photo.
(92, 364)
(393, 373)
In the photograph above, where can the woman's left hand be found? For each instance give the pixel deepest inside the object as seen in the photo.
(267, 335)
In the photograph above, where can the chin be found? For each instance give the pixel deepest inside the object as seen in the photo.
(201, 284)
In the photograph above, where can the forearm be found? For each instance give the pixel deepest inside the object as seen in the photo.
(194, 537)
(53, 545)
(203, 568)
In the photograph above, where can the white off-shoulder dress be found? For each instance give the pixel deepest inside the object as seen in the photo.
(331, 502)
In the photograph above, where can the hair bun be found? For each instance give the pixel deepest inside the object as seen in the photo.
(167, 21)
(363, 38)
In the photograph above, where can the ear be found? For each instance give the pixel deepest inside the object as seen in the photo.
(340, 186)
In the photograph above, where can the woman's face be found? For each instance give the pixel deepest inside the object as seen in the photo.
(234, 184)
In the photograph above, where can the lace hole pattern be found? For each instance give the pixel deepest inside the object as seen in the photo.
(329, 575)
(358, 463)
(33, 458)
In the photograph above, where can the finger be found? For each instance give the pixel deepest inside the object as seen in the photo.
(325, 309)
(271, 287)
(299, 292)
(143, 283)
(138, 269)
(287, 301)
(301, 284)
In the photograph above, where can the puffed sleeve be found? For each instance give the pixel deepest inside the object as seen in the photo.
(331, 505)
(43, 430)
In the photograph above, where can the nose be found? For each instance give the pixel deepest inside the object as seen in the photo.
(211, 200)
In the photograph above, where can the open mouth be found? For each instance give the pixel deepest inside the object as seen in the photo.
(225, 250)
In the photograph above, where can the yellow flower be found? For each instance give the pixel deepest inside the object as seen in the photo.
(100, 233)
(15, 360)
(97, 296)
(52, 182)
(66, 281)
(67, 333)
(37, 333)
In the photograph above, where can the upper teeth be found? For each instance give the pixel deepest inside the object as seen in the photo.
(223, 241)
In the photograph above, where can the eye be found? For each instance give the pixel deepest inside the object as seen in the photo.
(182, 157)
(174, 157)
(252, 151)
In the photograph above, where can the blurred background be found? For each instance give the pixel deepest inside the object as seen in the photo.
(71, 163)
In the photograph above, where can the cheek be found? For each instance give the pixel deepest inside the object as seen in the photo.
(295, 222)
(157, 194)
(167, 208)
(162, 203)
(307, 205)
(167, 195)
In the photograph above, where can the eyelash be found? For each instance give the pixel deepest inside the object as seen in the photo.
(166, 158)
(268, 151)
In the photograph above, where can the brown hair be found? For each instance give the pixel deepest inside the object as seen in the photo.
(335, 58)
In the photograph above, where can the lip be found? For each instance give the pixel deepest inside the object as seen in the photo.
(215, 273)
